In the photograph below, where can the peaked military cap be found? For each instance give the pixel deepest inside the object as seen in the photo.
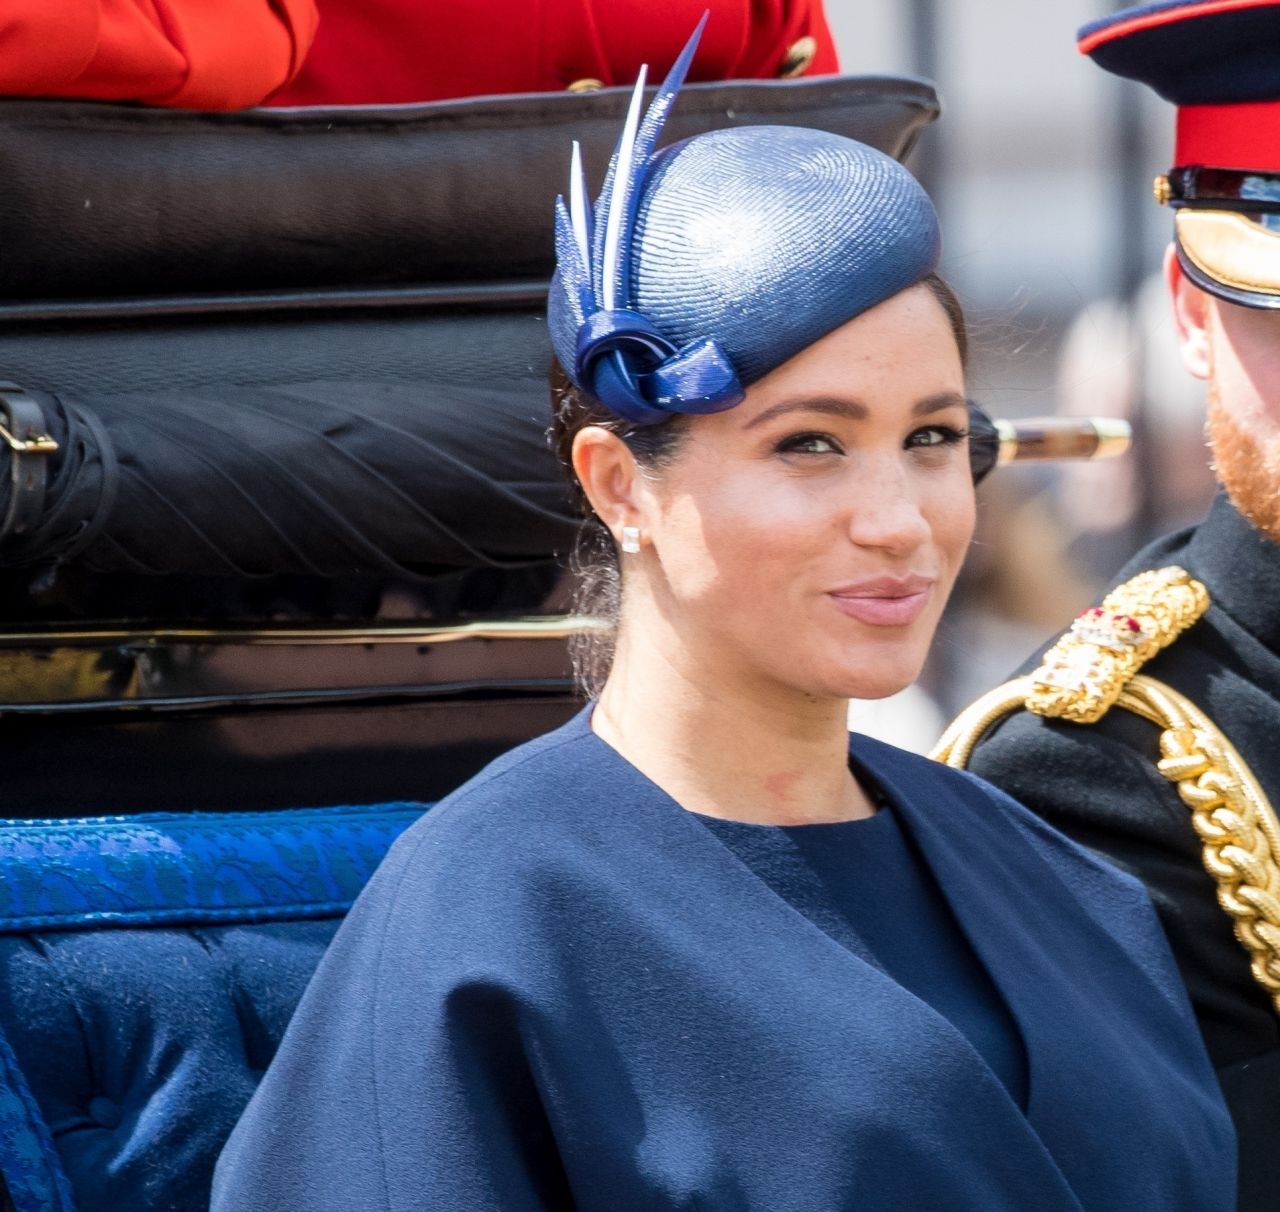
(1218, 61)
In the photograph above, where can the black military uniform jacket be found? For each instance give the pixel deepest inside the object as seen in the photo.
(1099, 784)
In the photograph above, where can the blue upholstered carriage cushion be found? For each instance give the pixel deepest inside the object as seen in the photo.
(148, 967)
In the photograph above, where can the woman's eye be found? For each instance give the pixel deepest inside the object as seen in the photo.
(937, 435)
(809, 443)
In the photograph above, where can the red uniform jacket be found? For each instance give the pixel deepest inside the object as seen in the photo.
(424, 50)
(225, 54)
(196, 54)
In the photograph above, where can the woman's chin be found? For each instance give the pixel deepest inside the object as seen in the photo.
(877, 679)
(865, 684)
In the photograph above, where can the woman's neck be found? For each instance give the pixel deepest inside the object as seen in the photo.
(724, 748)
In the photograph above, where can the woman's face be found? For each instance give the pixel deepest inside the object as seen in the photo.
(808, 538)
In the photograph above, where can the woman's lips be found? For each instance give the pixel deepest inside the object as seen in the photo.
(885, 601)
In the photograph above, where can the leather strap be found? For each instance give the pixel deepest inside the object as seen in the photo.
(23, 430)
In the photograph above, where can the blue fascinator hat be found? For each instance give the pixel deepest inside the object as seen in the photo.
(703, 267)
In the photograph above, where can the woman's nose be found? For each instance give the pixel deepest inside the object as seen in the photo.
(885, 514)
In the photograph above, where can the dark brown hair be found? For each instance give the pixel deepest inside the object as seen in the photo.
(594, 561)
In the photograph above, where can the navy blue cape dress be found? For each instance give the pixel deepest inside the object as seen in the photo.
(563, 991)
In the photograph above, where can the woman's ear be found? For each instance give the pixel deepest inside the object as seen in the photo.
(1190, 315)
(609, 476)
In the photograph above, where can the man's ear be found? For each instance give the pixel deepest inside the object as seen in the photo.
(609, 476)
(1191, 315)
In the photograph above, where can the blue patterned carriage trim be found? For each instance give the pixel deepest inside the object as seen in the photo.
(171, 868)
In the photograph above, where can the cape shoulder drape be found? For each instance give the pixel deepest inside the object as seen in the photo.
(561, 990)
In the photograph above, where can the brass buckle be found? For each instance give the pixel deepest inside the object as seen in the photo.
(39, 443)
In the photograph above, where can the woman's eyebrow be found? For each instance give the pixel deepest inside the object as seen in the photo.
(853, 410)
(943, 400)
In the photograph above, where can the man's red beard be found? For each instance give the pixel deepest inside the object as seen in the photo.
(1248, 466)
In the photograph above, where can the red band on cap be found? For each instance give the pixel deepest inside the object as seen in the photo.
(1167, 16)
(1243, 136)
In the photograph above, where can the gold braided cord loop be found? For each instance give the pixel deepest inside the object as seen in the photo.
(956, 744)
(1230, 812)
(1082, 675)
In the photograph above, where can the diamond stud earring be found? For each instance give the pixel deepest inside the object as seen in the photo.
(631, 539)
